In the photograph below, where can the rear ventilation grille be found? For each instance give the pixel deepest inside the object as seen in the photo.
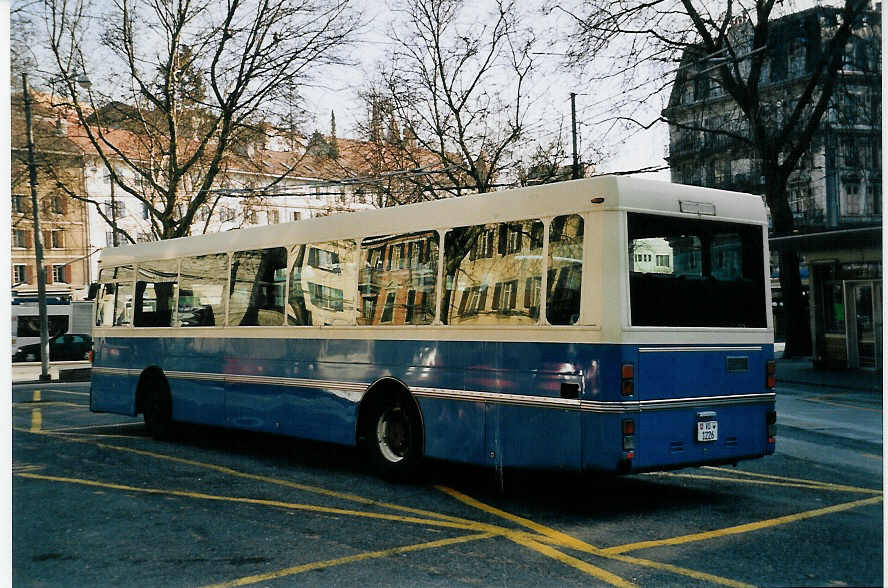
(676, 447)
(731, 441)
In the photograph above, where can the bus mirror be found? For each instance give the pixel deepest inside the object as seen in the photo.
(93, 291)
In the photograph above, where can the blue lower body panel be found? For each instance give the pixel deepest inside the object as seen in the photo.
(539, 405)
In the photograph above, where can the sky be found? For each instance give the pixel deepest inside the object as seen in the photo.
(627, 149)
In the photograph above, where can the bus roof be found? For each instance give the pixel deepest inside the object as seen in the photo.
(618, 193)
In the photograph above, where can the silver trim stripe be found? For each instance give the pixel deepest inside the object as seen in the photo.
(354, 391)
(671, 349)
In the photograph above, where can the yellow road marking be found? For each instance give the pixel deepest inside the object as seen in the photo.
(36, 395)
(468, 525)
(809, 485)
(280, 482)
(816, 483)
(562, 538)
(550, 535)
(758, 525)
(349, 559)
(36, 420)
(579, 564)
(821, 400)
(678, 570)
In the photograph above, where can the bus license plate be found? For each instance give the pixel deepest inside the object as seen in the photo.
(707, 431)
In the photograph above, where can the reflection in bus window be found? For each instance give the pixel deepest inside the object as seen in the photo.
(123, 305)
(202, 282)
(323, 283)
(492, 274)
(402, 270)
(695, 273)
(565, 270)
(156, 293)
(105, 305)
(256, 296)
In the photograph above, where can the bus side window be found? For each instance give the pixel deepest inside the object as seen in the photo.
(492, 274)
(123, 305)
(105, 306)
(256, 293)
(155, 295)
(565, 270)
(202, 291)
(323, 283)
(403, 292)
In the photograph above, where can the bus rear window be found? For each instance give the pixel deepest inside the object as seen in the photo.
(695, 273)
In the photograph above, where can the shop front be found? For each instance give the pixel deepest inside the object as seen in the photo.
(845, 295)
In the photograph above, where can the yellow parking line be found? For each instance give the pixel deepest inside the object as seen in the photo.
(550, 535)
(808, 485)
(817, 483)
(36, 420)
(821, 399)
(758, 525)
(601, 574)
(562, 538)
(468, 525)
(350, 559)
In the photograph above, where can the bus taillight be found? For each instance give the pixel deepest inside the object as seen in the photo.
(628, 385)
(771, 374)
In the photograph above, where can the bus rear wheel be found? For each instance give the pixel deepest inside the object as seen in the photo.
(393, 438)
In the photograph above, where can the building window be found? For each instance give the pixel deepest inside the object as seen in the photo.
(797, 53)
(297, 215)
(20, 238)
(18, 203)
(226, 214)
(57, 239)
(251, 217)
(146, 214)
(109, 238)
(59, 273)
(143, 237)
(119, 209)
(274, 217)
(852, 205)
(56, 205)
(874, 198)
(19, 273)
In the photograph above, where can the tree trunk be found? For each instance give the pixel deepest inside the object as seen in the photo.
(795, 308)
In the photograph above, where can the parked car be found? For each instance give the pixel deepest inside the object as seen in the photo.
(71, 347)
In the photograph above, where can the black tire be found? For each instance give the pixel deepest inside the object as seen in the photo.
(157, 412)
(392, 437)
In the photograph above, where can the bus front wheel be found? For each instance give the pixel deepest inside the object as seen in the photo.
(158, 413)
(393, 438)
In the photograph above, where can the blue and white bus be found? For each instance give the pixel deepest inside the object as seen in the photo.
(610, 324)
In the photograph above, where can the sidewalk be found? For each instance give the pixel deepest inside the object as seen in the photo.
(30, 372)
(801, 371)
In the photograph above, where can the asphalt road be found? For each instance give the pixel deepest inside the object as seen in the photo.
(98, 502)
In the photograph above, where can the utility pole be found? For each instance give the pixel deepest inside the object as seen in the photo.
(573, 119)
(38, 239)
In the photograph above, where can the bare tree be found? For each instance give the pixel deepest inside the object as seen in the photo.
(453, 88)
(730, 41)
(191, 82)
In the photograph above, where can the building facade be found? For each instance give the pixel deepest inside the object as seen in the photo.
(836, 189)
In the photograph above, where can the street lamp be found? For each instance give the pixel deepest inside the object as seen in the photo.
(38, 235)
